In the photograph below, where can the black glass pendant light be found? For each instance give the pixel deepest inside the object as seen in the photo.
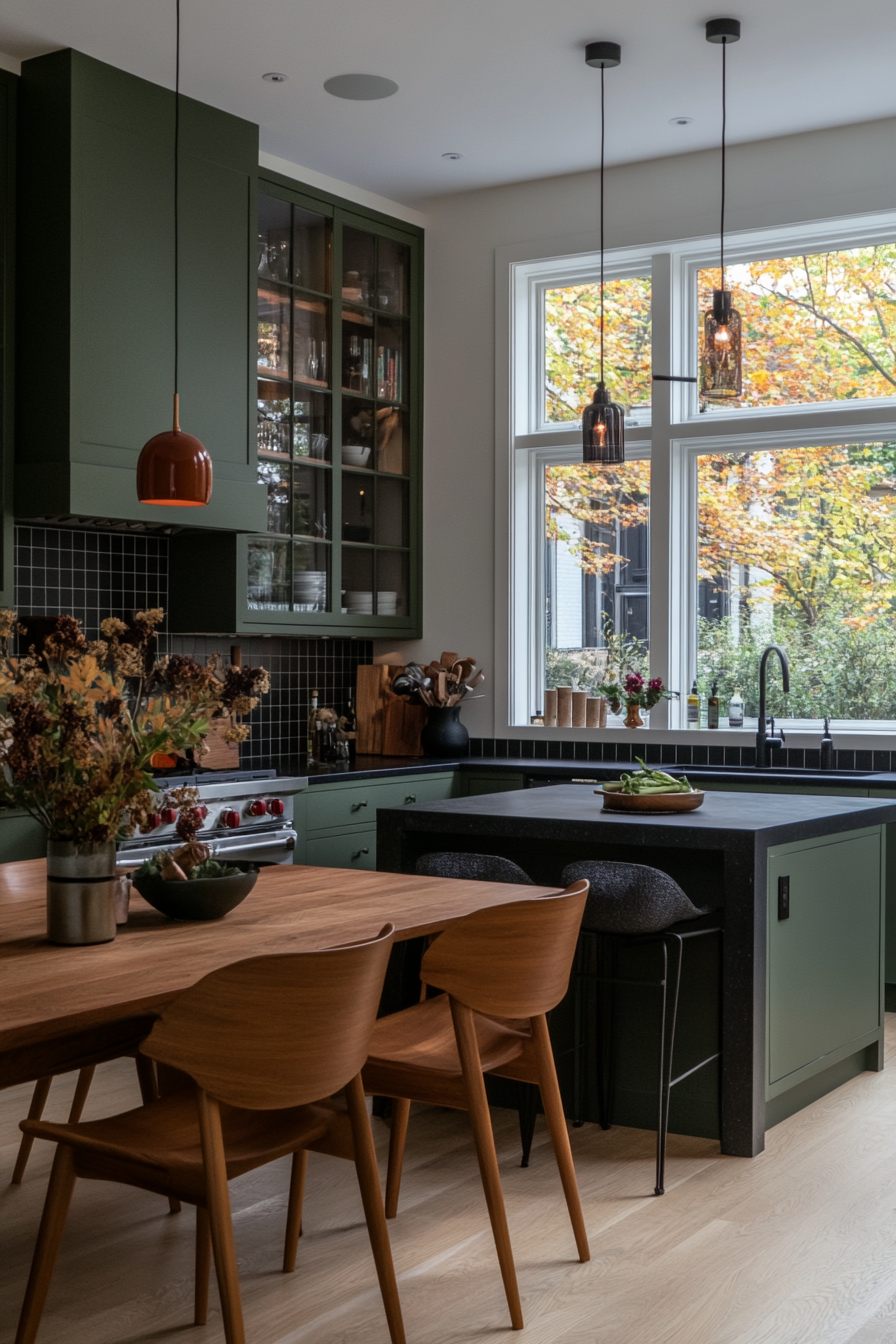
(721, 362)
(603, 422)
(174, 467)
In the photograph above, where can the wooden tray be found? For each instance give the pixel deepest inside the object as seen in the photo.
(650, 802)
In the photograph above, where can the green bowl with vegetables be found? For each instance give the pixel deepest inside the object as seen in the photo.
(212, 890)
(647, 790)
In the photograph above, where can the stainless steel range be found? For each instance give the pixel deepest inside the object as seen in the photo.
(248, 816)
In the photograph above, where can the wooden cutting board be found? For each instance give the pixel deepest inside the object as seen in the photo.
(387, 725)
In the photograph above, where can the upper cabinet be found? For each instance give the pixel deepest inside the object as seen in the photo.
(95, 283)
(337, 371)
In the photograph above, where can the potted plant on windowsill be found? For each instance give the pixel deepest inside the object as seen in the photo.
(635, 695)
(80, 723)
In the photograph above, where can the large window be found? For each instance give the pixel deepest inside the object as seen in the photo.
(772, 519)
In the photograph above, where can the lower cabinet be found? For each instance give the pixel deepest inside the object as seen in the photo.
(21, 837)
(336, 822)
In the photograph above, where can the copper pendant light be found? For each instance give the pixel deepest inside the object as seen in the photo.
(721, 362)
(174, 467)
(603, 422)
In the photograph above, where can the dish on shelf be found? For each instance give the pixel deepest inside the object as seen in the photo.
(354, 455)
(614, 801)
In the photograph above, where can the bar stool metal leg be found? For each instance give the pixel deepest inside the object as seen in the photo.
(671, 980)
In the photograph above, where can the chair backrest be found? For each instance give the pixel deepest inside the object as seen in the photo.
(276, 1031)
(510, 960)
(473, 867)
(630, 897)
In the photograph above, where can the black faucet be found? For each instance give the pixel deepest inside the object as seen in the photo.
(765, 740)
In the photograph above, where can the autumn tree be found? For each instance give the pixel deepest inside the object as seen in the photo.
(572, 345)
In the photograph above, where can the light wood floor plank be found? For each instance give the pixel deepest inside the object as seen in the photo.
(795, 1247)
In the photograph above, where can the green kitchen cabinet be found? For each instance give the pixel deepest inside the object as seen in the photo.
(95, 307)
(337, 371)
(336, 822)
(493, 781)
(21, 837)
(825, 954)
(8, 100)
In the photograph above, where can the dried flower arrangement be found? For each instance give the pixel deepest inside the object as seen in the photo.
(82, 720)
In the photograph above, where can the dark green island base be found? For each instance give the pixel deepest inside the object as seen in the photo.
(802, 996)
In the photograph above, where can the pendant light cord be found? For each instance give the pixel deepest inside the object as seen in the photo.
(724, 125)
(176, 214)
(602, 137)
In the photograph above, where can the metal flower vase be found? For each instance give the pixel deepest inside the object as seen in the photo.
(444, 734)
(80, 892)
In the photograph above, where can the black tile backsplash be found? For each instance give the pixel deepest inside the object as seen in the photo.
(92, 575)
(669, 753)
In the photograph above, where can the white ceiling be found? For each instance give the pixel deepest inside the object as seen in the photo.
(503, 82)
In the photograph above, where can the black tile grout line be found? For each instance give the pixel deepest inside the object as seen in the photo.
(671, 753)
(92, 575)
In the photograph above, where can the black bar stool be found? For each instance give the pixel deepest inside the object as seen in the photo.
(630, 904)
(489, 868)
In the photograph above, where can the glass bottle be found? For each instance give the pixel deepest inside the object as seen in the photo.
(693, 719)
(712, 708)
(736, 710)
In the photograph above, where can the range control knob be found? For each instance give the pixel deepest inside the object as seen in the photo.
(201, 811)
(257, 808)
(276, 807)
(230, 819)
(169, 815)
(152, 821)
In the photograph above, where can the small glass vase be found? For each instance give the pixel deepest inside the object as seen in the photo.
(80, 892)
(633, 717)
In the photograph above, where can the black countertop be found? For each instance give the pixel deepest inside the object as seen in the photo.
(570, 812)
(373, 767)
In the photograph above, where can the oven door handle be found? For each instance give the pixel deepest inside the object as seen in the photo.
(223, 849)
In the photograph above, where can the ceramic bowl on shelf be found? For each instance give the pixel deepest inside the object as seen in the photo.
(201, 898)
(353, 455)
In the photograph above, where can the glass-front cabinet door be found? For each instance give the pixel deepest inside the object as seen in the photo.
(338, 420)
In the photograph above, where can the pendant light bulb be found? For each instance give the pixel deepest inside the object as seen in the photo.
(603, 422)
(721, 363)
(175, 468)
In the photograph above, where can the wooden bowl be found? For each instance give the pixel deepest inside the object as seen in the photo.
(614, 801)
(204, 898)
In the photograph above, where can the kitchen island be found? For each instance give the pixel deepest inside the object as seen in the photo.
(801, 985)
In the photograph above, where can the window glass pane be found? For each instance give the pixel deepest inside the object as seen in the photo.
(816, 327)
(392, 583)
(596, 572)
(357, 575)
(311, 426)
(572, 347)
(311, 502)
(391, 361)
(393, 274)
(269, 574)
(358, 265)
(273, 419)
(798, 547)
(392, 441)
(357, 507)
(275, 475)
(392, 513)
(311, 250)
(273, 330)
(310, 576)
(311, 322)
(358, 418)
(273, 238)
(357, 352)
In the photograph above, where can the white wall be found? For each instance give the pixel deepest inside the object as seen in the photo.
(846, 170)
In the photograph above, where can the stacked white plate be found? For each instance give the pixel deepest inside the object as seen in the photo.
(387, 604)
(309, 587)
(359, 603)
(354, 455)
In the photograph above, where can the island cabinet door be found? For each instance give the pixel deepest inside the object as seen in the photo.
(824, 953)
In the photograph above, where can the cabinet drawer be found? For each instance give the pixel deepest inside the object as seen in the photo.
(357, 850)
(331, 808)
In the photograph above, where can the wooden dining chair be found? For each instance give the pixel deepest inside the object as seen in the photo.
(502, 969)
(267, 1043)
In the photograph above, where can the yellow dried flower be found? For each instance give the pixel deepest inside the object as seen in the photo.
(237, 732)
(112, 626)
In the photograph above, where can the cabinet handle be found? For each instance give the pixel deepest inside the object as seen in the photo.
(358, 852)
(411, 798)
(355, 806)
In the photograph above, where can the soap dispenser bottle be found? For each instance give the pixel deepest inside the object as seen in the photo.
(827, 748)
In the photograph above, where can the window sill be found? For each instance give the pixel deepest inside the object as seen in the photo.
(845, 739)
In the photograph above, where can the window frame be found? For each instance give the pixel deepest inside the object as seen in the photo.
(675, 437)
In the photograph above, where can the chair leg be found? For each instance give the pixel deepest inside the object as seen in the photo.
(294, 1209)
(484, 1138)
(82, 1087)
(149, 1091)
(372, 1199)
(527, 1105)
(667, 1048)
(553, 1109)
(35, 1111)
(401, 1110)
(49, 1239)
(220, 1218)
(203, 1266)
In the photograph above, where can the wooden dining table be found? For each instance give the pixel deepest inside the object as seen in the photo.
(64, 1007)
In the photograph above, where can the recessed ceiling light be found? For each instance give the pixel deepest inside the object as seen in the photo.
(275, 77)
(452, 154)
(680, 121)
(362, 88)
